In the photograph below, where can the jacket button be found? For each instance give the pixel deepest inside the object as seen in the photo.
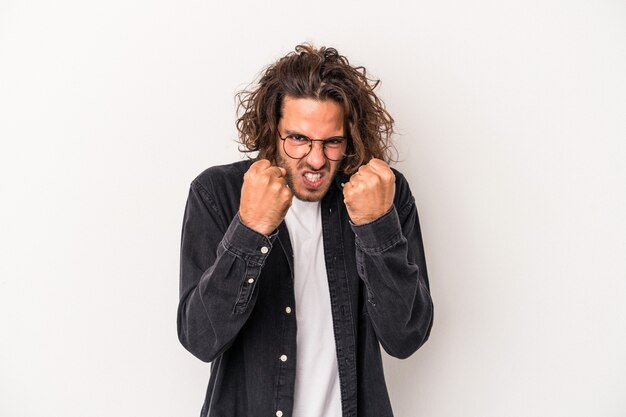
(288, 310)
(283, 358)
(264, 250)
(279, 413)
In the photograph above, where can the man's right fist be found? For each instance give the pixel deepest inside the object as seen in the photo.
(265, 197)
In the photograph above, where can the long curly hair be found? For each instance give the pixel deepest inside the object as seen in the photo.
(321, 74)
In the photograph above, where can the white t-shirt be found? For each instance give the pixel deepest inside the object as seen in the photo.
(317, 390)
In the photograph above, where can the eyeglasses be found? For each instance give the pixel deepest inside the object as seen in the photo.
(298, 146)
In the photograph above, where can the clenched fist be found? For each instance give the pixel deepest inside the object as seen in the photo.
(265, 197)
(369, 193)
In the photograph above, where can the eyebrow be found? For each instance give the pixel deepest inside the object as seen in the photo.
(294, 132)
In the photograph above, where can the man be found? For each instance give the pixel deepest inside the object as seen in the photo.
(297, 266)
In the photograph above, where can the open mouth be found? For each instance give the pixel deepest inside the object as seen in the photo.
(313, 179)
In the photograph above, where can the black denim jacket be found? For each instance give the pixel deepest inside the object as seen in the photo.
(237, 307)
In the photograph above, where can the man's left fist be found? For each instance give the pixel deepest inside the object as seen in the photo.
(370, 191)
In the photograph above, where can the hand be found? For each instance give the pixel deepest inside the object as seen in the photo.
(369, 193)
(265, 197)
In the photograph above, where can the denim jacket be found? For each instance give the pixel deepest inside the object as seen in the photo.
(237, 307)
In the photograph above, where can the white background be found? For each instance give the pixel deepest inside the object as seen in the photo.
(512, 131)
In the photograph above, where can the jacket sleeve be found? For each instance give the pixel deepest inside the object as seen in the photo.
(390, 260)
(220, 262)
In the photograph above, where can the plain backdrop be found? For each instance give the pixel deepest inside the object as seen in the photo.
(511, 130)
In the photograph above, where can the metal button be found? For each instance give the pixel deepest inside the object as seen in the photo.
(288, 310)
(251, 280)
(264, 250)
(283, 358)
(279, 413)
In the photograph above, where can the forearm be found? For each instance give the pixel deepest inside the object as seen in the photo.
(218, 278)
(390, 262)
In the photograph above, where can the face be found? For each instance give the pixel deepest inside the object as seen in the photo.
(310, 177)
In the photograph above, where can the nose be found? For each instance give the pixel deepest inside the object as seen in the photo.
(316, 158)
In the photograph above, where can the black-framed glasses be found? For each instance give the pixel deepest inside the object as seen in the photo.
(297, 146)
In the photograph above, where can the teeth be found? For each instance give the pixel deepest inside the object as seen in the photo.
(312, 177)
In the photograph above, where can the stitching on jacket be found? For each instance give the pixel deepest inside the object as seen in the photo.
(246, 289)
(208, 199)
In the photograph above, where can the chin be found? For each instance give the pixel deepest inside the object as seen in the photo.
(310, 195)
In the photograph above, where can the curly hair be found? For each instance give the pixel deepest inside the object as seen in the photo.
(320, 74)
